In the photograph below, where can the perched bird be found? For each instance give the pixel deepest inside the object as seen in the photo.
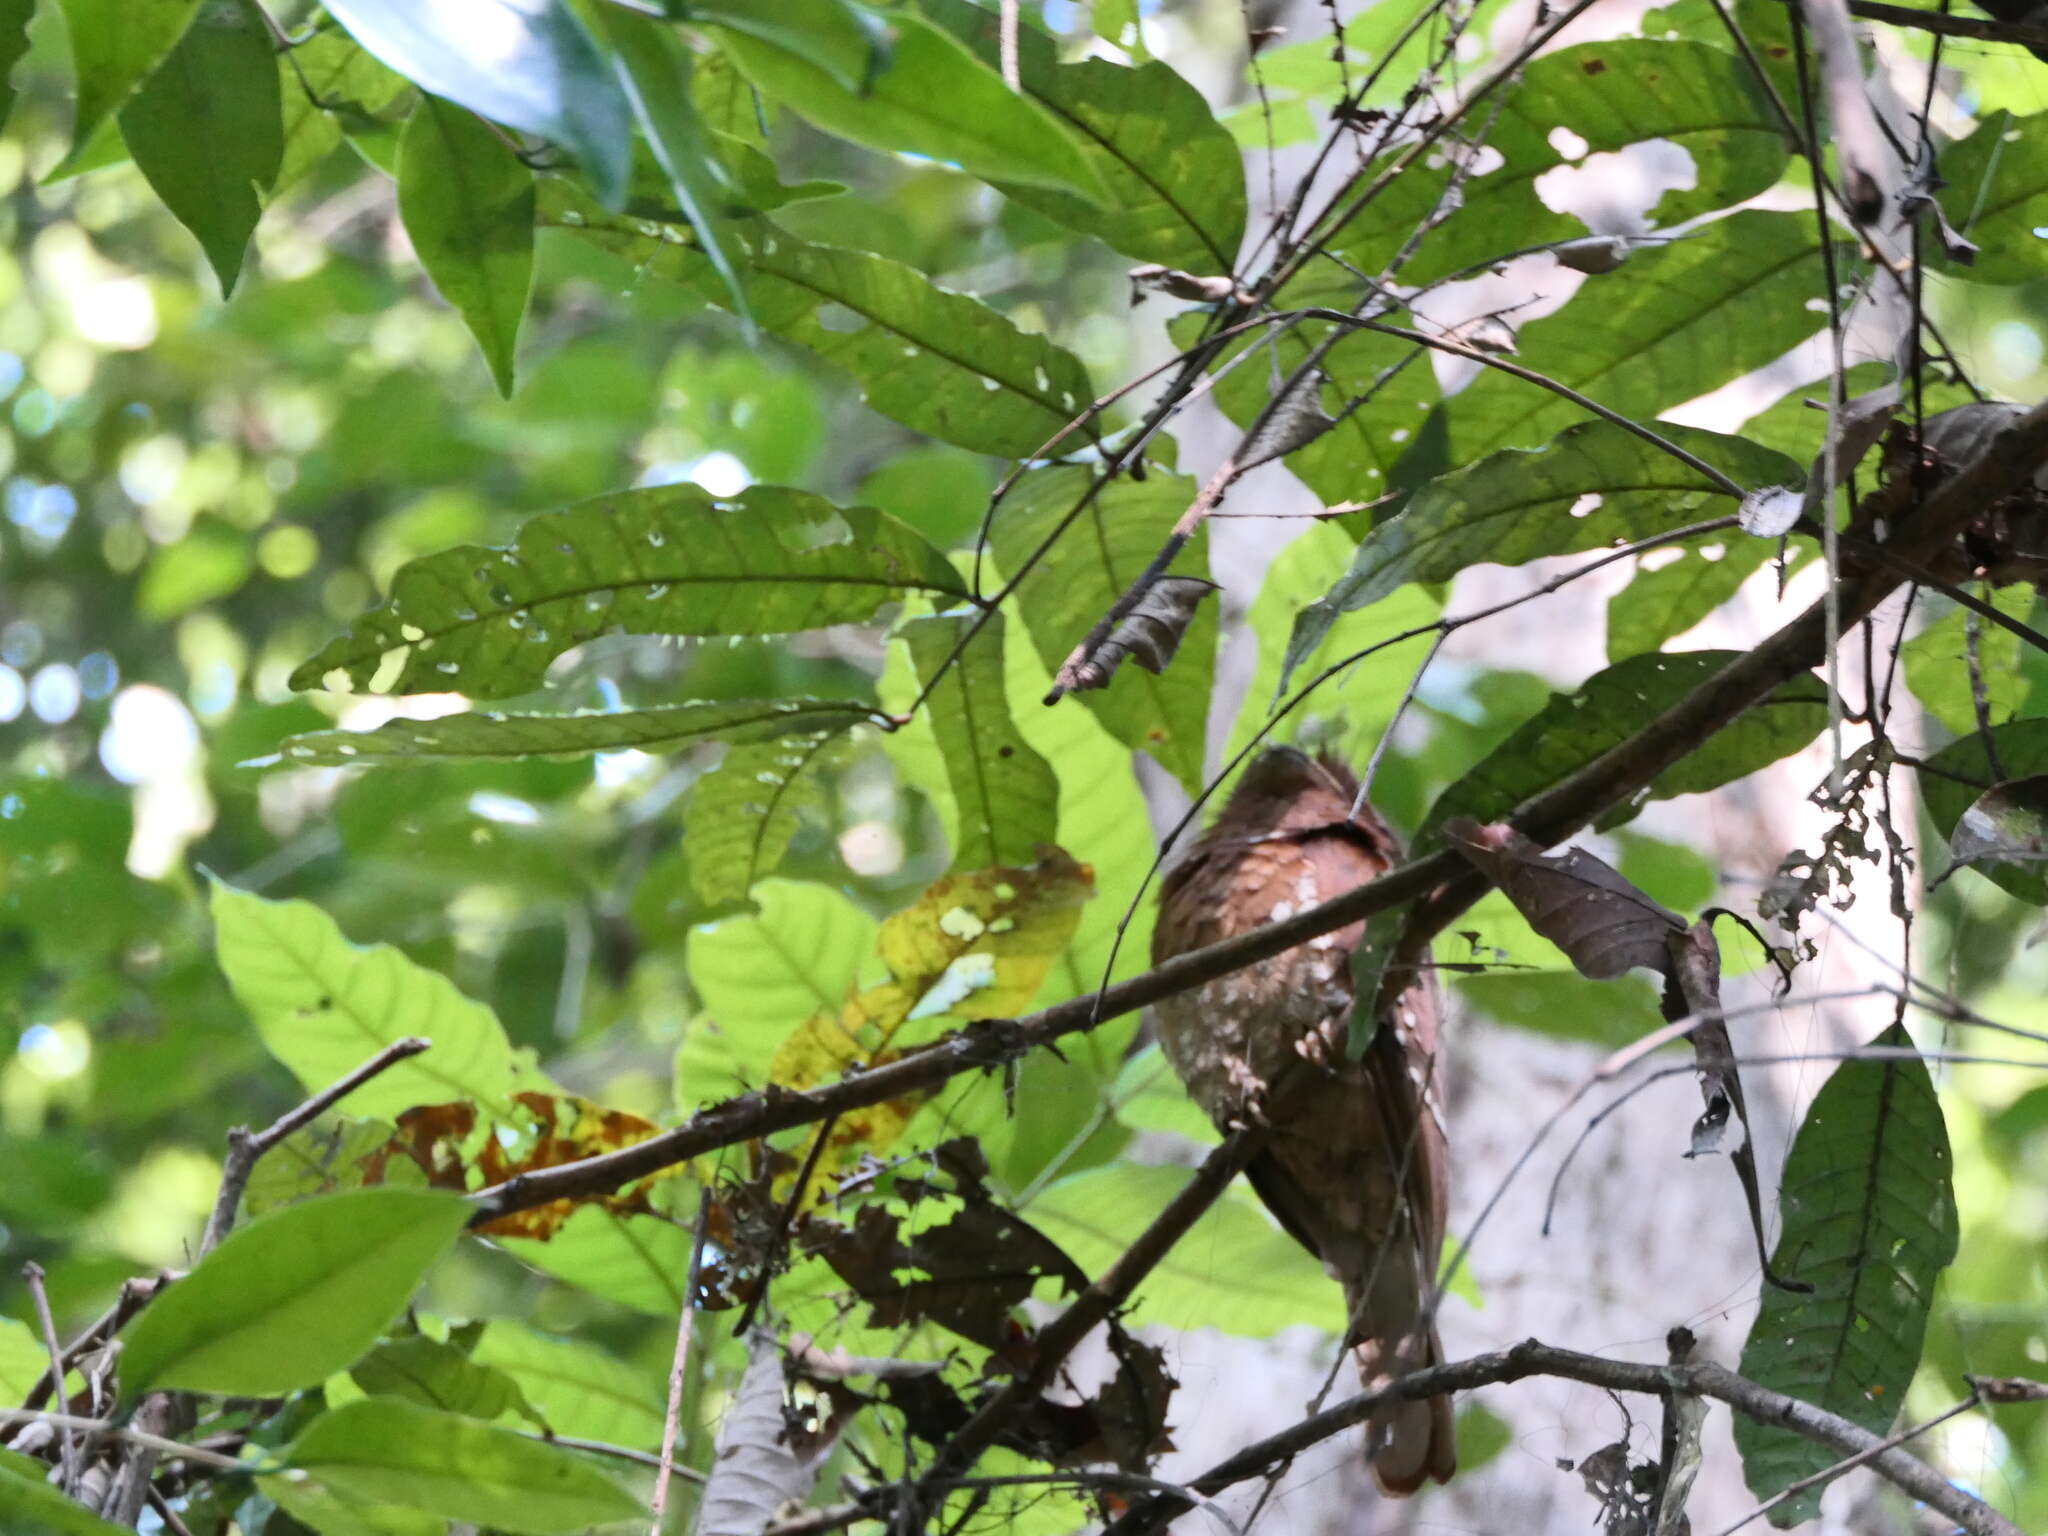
(1354, 1164)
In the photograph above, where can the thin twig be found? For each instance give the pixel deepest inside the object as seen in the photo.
(679, 1367)
(108, 1429)
(32, 1275)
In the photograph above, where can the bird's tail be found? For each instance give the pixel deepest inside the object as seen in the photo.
(1410, 1441)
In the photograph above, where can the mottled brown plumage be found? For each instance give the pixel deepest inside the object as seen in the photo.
(1355, 1164)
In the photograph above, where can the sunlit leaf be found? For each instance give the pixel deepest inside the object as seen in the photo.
(1669, 598)
(207, 131)
(639, 1262)
(1994, 189)
(293, 1297)
(324, 1006)
(114, 46)
(1006, 795)
(325, 80)
(580, 1389)
(437, 1375)
(540, 72)
(1594, 486)
(495, 737)
(1962, 655)
(383, 1449)
(668, 560)
(743, 815)
(1869, 1222)
(1087, 568)
(467, 201)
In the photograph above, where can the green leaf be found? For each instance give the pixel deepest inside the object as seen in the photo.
(292, 1297)
(923, 93)
(467, 202)
(206, 130)
(1234, 1271)
(654, 71)
(743, 815)
(28, 1505)
(1957, 777)
(802, 951)
(670, 560)
(2006, 830)
(639, 1262)
(940, 362)
(1609, 707)
(15, 16)
(1994, 190)
(540, 73)
(1563, 1005)
(1592, 487)
(512, 738)
(1006, 795)
(335, 1514)
(1938, 662)
(1677, 321)
(1609, 95)
(23, 1359)
(1869, 1221)
(326, 80)
(1677, 586)
(437, 1375)
(1172, 178)
(1148, 1097)
(580, 1389)
(324, 1007)
(1086, 570)
(385, 1450)
(114, 46)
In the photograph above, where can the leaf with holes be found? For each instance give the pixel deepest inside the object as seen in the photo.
(940, 362)
(1677, 321)
(324, 1007)
(512, 738)
(743, 815)
(1006, 795)
(292, 1297)
(467, 203)
(1591, 99)
(1869, 1221)
(1085, 571)
(206, 129)
(1172, 178)
(1594, 486)
(1607, 709)
(1667, 595)
(671, 560)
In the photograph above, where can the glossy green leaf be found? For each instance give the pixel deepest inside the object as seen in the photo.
(541, 73)
(1676, 321)
(802, 951)
(206, 129)
(511, 738)
(923, 94)
(1594, 486)
(114, 46)
(1995, 192)
(386, 1450)
(654, 72)
(1676, 587)
(467, 201)
(326, 80)
(1611, 706)
(1087, 568)
(1234, 1271)
(1608, 95)
(1869, 1222)
(439, 1375)
(743, 815)
(581, 1390)
(938, 361)
(1172, 178)
(324, 1007)
(291, 1298)
(30, 1505)
(1938, 663)
(1957, 777)
(1006, 795)
(668, 560)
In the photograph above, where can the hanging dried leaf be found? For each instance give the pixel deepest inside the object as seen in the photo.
(756, 1471)
(1149, 635)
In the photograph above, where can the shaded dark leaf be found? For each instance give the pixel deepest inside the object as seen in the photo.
(2007, 827)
